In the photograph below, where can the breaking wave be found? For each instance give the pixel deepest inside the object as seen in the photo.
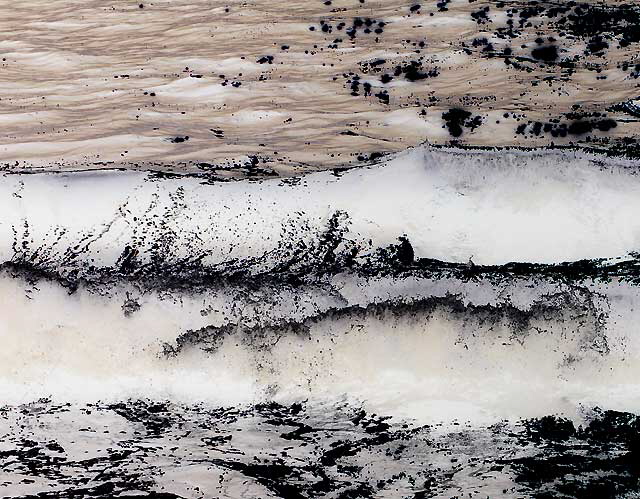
(394, 286)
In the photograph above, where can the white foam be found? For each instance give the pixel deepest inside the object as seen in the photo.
(430, 366)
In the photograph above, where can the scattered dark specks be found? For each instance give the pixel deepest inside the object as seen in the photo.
(266, 59)
(366, 26)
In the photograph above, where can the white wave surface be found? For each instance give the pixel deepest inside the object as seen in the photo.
(493, 208)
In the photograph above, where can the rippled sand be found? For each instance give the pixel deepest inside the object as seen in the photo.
(249, 87)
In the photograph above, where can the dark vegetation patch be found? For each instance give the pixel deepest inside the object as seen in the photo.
(456, 119)
(548, 53)
(413, 71)
(442, 5)
(481, 16)
(556, 128)
(179, 139)
(265, 59)
(357, 26)
(371, 157)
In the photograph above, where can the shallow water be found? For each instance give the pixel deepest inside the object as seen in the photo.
(143, 449)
